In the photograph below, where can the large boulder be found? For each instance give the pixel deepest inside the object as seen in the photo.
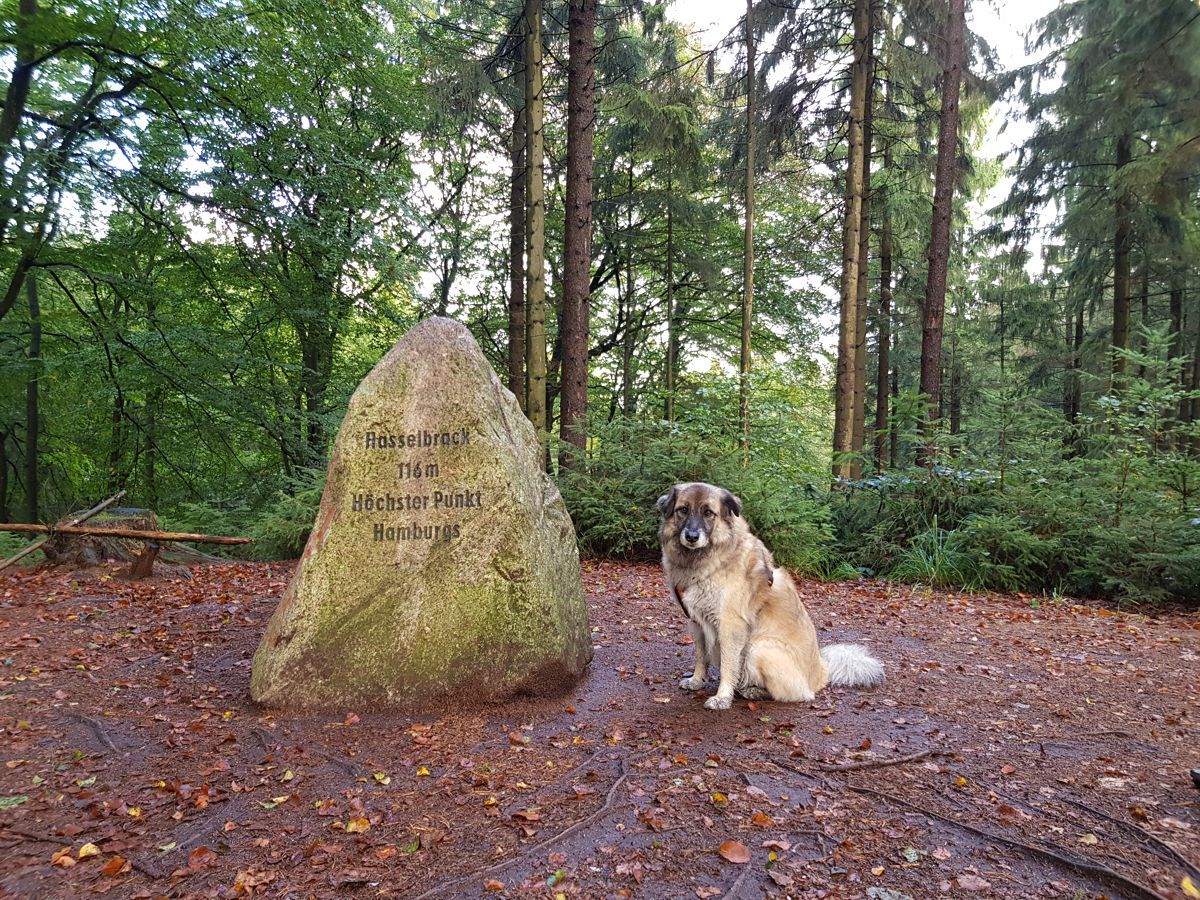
(443, 561)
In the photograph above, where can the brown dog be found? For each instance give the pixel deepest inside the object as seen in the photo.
(744, 614)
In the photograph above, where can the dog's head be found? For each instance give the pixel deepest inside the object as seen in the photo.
(697, 516)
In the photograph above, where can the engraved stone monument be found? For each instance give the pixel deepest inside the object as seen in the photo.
(443, 562)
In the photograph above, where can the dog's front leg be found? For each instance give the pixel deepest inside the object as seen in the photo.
(732, 633)
(699, 675)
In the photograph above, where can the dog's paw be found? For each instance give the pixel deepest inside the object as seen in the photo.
(718, 702)
(692, 683)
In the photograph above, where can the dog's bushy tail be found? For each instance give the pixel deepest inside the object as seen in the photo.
(851, 665)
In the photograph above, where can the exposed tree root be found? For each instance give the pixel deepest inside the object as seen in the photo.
(1140, 833)
(529, 851)
(93, 725)
(1100, 873)
(881, 763)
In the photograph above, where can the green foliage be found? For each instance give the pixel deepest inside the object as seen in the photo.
(279, 522)
(934, 557)
(634, 461)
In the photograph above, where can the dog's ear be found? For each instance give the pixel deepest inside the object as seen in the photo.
(730, 504)
(666, 503)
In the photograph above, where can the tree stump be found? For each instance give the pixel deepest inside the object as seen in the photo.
(92, 550)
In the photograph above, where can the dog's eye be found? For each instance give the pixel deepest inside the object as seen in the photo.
(681, 510)
(708, 513)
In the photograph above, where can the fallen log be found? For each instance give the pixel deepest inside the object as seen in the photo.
(78, 520)
(134, 533)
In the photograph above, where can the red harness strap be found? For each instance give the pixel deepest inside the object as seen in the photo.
(678, 592)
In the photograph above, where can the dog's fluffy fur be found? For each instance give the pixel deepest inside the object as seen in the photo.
(744, 614)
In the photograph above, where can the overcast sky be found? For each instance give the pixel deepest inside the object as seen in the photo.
(1003, 24)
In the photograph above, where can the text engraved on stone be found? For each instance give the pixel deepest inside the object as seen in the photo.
(398, 516)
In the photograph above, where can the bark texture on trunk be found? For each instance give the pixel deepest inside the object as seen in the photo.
(748, 248)
(32, 407)
(859, 415)
(17, 93)
(1121, 242)
(884, 326)
(535, 228)
(843, 426)
(939, 242)
(1177, 349)
(581, 130)
(672, 337)
(516, 262)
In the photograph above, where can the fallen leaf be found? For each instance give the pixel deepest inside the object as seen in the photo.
(1089, 839)
(762, 820)
(493, 885)
(735, 852)
(201, 857)
(10, 802)
(62, 858)
(973, 883)
(118, 865)
(88, 850)
(358, 826)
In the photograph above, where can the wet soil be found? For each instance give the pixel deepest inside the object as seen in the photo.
(1017, 749)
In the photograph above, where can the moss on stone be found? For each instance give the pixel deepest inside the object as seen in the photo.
(491, 612)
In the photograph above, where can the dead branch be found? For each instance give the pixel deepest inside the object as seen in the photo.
(78, 520)
(132, 533)
(1102, 874)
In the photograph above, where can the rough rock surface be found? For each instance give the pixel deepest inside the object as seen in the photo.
(443, 561)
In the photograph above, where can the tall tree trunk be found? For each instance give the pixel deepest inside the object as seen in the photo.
(516, 262)
(15, 98)
(748, 242)
(1144, 317)
(1195, 385)
(894, 431)
(1068, 366)
(535, 228)
(843, 425)
(669, 371)
(884, 326)
(939, 242)
(1121, 241)
(1177, 339)
(859, 417)
(581, 129)
(955, 388)
(32, 407)
(4, 510)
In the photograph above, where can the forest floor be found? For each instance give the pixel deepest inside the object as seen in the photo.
(1015, 750)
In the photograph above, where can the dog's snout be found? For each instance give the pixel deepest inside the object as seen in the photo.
(691, 535)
